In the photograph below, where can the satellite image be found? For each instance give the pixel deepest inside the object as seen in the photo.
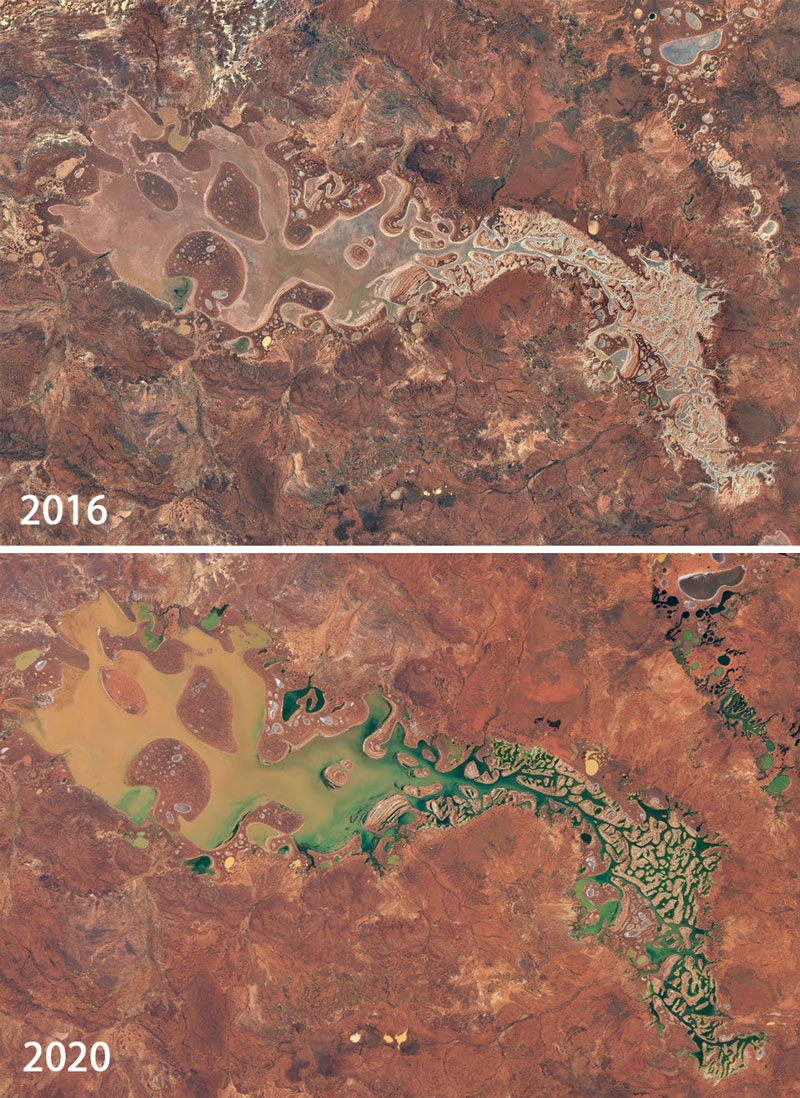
(399, 272)
(292, 826)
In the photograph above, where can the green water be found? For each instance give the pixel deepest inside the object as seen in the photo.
(214, 617)
(658, 859)
(641, 856)
(178, 292)
(202, 865)
(720, 682)
(314, 700)
(142, 612)
(778, 785)
(138, 803)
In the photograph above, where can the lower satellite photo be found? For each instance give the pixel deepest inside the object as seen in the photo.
(417, 825)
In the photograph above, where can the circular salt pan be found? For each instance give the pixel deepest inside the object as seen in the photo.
(685, 51)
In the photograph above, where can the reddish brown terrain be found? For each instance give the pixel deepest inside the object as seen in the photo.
(213, 313)
(454, 965)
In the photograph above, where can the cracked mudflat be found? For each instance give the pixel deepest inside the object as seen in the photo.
(308, 276)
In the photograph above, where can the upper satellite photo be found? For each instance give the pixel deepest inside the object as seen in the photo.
(399, 271)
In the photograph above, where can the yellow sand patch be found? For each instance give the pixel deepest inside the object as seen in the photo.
(23, 660)
(65, 167)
